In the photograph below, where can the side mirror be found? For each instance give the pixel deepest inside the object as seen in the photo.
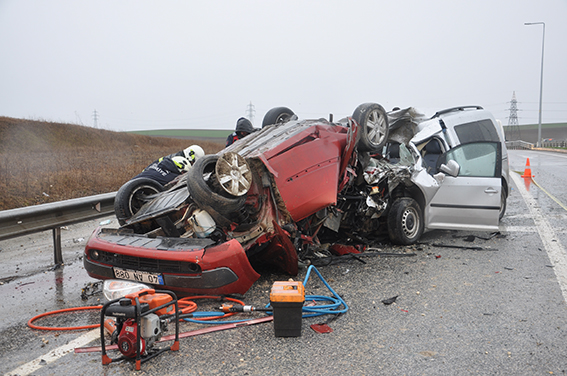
(451, 168)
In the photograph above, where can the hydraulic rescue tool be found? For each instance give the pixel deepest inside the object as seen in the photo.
(140, 320)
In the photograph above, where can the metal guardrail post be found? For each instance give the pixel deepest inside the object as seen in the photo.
(58, 256)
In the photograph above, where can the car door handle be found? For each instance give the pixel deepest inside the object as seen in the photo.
(490, 190)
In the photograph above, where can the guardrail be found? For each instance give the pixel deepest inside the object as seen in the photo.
(554, 144)
(514, 145)
(53, 216)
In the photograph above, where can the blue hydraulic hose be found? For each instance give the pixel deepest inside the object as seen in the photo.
(325, 309)
(216, 322)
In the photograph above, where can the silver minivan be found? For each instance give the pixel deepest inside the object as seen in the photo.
(460, 171)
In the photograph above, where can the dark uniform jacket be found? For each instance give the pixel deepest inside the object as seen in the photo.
(243, 128)
(162, 170)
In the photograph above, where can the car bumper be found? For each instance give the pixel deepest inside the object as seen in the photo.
(187, 266)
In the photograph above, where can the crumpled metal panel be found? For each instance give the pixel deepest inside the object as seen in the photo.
(299, 154)
(140, 241)
(273, 140)
(379, 170)
(166, 202)
(404, 124)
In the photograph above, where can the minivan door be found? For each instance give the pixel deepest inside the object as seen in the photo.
(471, 199)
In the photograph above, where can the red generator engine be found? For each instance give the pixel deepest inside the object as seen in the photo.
(136, 322)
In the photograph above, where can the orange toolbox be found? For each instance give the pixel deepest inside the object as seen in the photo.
(287, 300)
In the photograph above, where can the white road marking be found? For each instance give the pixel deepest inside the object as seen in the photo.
(55, 354)
(506, 228)
(551, 243)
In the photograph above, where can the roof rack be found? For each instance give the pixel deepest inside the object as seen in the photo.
(452, 109)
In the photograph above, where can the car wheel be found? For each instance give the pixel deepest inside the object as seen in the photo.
(204, 195)
(373, 122)
(233, 174)
(503, 198)
(132, 196)
(405, 222)
(278, 115)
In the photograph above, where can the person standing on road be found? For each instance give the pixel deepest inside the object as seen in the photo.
(243, 128)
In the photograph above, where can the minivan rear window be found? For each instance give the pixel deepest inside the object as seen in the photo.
(482, 130)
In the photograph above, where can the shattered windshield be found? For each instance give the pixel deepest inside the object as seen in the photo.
(406, 157)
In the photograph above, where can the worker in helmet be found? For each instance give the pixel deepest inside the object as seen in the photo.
(243, 128)
(192, 153)
(165, 169)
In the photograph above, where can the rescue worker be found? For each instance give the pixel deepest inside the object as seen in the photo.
(243, 128)
(192, 153)
(167, 168)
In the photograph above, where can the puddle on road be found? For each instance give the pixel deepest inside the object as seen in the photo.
(24, 298)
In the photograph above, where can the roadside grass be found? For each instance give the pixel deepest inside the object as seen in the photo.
(44, 162)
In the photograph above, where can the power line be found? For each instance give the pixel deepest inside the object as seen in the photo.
(95, 117)
(513, 128)
(250, 111)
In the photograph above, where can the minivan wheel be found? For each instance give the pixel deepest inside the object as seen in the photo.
(405, 221)
(373, 122)
(132, 196)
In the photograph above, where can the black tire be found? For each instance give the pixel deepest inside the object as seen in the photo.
(373, 122)
(278, 115)
(204, 196)
(405, 221)
(132, 196)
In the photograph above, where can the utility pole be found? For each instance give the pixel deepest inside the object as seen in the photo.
(540, 81)
(95, 117)
(250, 111)
(513, 133)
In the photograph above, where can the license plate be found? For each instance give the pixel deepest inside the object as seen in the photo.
(138, 276)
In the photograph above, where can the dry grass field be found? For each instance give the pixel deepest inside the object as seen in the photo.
(45, 162)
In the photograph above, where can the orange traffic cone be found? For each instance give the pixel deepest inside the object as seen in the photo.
(528, 182)
(528, 170)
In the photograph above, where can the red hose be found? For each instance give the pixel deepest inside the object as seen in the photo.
(61, 311)
(186, 305)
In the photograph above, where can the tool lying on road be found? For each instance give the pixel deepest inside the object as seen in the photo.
(241, 308)
(138, 324)
(287, 299)
(192, 333)
(333, 305)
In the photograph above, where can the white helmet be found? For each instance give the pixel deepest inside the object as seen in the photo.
(181, 163)
(194, 152)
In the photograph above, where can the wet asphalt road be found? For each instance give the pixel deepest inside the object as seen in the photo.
(498, 310)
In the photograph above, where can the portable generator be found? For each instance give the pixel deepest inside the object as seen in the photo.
(139, 320)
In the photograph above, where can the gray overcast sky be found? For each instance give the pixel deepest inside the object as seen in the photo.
(198, 64)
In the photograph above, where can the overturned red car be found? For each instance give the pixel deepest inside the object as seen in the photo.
(273, 197)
